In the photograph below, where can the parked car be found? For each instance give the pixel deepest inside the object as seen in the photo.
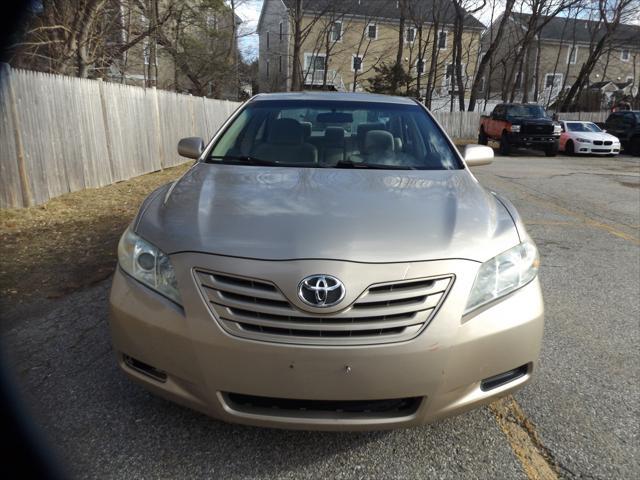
(520, 125)
(352, 275)
(587, 138)
(626, 126)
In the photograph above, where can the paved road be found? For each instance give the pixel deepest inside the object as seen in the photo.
(580, 414)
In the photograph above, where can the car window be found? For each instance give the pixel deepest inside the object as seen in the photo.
(582, 127)
(330, 134)
(526, 111)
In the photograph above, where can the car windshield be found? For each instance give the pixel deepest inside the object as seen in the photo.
(335, 134)
(582, 127)
(526, 111)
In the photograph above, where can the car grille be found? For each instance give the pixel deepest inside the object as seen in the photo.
(257, 309)
(537, 129)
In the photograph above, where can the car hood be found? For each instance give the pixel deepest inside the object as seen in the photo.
(594, 136)
(301, 213)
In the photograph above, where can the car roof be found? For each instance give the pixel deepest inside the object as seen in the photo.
(334, 97)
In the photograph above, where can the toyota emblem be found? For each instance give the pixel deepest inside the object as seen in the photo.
(321, 291)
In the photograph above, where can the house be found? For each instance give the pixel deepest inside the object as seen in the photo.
(343, 41)
(553, 60)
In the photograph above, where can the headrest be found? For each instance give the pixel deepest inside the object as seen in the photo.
(286, 131)
(379, 141)
(306, 126)
(334, 134)
(364, 128)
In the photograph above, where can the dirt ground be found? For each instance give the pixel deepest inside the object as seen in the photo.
(69, 242)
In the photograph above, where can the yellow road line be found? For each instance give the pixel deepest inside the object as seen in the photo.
(524, 440)
(570, 213)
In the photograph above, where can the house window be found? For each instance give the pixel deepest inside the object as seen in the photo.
(442, 40)
(336, 31)
(356, 63)
(280, 31)
(519, 80)
(268, 40)
(267, 69)
(481, 86)
(411, 34)
(552, 80)
(280, 63)
(314, 62)
(625, 55)
(572, 55)
(420, 66)
(372, 31)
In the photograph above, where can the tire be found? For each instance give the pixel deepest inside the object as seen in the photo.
(569, 148)
(482, 137)
(551, 151)
(505, 148)
(634, 146)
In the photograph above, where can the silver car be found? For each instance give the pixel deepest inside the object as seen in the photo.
(328, 262)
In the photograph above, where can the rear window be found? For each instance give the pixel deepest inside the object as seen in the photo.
(335, 134)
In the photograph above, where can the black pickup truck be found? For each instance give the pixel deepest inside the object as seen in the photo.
(626, 126)
(520, 125)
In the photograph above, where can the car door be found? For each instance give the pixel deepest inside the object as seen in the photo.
(495, 128)
(613, 124)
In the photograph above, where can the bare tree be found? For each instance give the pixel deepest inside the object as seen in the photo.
(461, 9)
(487, 56)
(301, 32)
(611, 14)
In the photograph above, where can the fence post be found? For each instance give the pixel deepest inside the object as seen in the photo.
(107, 131)
(13, 108)
(156, 106)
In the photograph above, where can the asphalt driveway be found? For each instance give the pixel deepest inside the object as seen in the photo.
(578, 419)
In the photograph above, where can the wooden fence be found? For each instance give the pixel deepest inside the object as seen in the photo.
(61, 134)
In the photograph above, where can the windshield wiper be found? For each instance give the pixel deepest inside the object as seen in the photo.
(242, 160)
(372, 166)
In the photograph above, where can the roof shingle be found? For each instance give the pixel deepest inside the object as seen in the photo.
(570, 29)
(387, 9)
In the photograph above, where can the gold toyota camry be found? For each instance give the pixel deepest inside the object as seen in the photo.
(328, 262)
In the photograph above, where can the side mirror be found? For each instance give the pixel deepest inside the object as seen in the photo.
(191, 147)
(477, 155)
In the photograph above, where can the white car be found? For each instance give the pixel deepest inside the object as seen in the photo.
(587, 138)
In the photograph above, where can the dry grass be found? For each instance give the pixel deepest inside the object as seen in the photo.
(70, 241)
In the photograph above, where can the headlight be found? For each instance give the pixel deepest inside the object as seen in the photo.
(557, 129)
(503, 274)
(583, 140)
(148, 265)
(515, 128)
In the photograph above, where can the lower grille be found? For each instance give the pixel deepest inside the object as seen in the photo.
(397, 407)
(257, 309)
(537, 129)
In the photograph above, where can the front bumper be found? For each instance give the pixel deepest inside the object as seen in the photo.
(591, 149)
(531, 140)
(201, 364)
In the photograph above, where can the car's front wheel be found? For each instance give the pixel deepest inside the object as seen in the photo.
(551, 150)
(505, 148)
(482, 137)
(634, 146)
(569, 148)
